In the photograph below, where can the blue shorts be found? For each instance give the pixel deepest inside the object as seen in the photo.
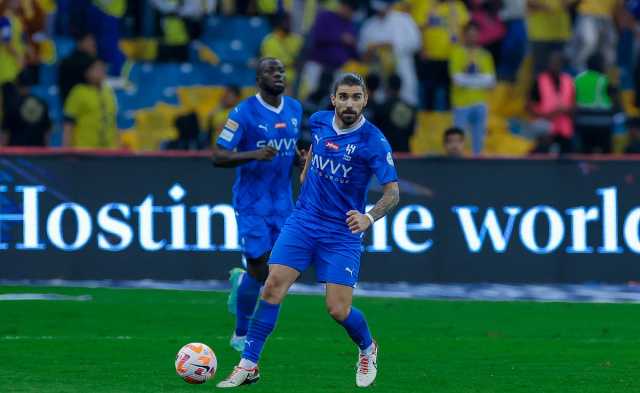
(258, 234)
(334, 253)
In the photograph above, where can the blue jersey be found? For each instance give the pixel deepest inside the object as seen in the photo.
(341, 167)
(263, 187)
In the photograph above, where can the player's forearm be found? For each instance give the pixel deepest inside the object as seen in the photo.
(231, 159)
(305, 168)
(389, 200)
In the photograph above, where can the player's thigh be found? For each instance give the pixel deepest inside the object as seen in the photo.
(294, 247)
(276, 223)
(255, 236)
(339, 299)
(280, 279)
(338, 262)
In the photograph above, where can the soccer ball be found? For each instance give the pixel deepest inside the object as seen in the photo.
(196, 363)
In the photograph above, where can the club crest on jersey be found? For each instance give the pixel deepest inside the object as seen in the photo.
(331, 145)
(294, 122)
(349, 151)
(281, 125)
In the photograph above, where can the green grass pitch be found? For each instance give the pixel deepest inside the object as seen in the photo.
(125, 341)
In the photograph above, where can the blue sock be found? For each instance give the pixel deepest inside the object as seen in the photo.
(358, 330)
(261, 326)
(248, 292)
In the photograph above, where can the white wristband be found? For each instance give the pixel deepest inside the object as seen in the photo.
(370, 218)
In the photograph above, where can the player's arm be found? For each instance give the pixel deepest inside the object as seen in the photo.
(224, 158)
(359, 222)
(303, 174)
(225, 154)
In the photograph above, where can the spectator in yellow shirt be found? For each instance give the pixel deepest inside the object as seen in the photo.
(473, 74)
(12, 46)
(595, 32)
(284, 45)
(441, 23)
(549, 25)
(90, 112)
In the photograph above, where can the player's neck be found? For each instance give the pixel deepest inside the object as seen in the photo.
(272, 100)
(340, 127)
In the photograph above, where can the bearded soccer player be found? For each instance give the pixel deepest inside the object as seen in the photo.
(327, 226)
(259, 139)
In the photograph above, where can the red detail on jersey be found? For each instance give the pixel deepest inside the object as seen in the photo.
(332, 145)
(281, 125)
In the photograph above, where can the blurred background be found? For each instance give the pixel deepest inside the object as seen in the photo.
(504, 77)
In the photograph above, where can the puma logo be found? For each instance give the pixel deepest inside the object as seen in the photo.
(349, 271)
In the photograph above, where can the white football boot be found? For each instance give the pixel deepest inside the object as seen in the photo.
(240, 376)
(367, 367)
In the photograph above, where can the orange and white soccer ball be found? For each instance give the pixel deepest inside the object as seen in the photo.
(196, 363)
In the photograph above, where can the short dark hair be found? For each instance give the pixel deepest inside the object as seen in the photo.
(235, 89)
(264, 60)
(80, 35)
(349, 79)
(353, 4)
(596, 63)
(394, 83)
(372, 81)
(452, 131)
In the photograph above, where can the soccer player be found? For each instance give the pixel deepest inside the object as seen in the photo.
(327, 226)
(259, 138)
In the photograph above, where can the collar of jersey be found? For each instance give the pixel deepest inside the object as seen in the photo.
(270, 107)
(349, 130)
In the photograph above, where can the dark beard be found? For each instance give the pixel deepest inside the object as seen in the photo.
(273, 90)
(348, 124)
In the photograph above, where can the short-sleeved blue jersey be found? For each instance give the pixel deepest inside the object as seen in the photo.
(341, 167)
(263, 187)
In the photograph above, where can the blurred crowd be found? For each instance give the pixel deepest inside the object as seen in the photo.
(418, 56)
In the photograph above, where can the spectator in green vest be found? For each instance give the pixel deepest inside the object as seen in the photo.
(594, 108)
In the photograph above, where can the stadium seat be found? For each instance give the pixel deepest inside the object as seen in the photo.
(430, 127)
(48, 74)
(155, 125)
(64, 47)
(249, 30)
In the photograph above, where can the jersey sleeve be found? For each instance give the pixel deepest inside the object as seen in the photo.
(381, 160)
(232, 131)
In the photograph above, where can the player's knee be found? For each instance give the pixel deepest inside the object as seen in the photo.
(338, 311)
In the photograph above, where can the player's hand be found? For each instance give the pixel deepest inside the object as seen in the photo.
(266, 153)
(357, 222)
(302, 157)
